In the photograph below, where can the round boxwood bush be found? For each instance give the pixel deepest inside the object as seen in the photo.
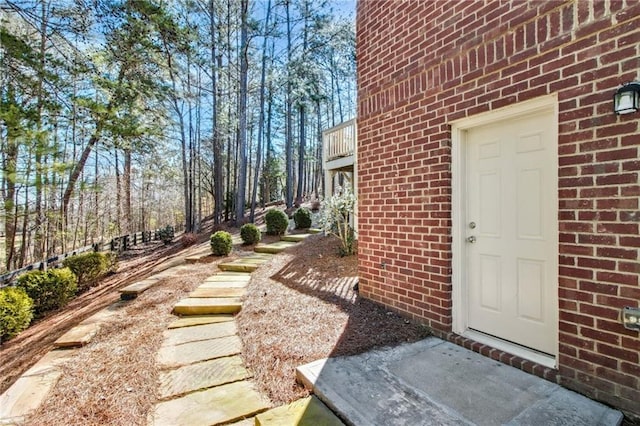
(49, 290)
(15, 312)
(90, 267)
(277, 222)
(250, 234)
(302, 218)
(221, 243)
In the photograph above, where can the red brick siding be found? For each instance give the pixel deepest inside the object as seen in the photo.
(422, 64)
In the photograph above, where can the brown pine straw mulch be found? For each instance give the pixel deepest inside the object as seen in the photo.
(299, 307)
(302, 307)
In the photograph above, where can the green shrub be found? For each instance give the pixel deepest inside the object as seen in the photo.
(277, 222)
(302, 218)
(221, 243)
(250, 234)
(15, 312)
(90, 267)
(166, 234)
(49, 290)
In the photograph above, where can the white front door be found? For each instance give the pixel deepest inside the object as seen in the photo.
(510, 230)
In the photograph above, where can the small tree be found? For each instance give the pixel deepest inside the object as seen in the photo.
(335, 219)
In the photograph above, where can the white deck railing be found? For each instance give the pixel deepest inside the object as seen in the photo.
(339, 141)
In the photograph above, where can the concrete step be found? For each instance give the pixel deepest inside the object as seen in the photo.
(179, 336)
(224, 284)
(308, 411)
(217, 292)
(202, 350)
(202, 375)
(245, 264)
(274, 248)
(315, 231)
(447, 384)
(219, 405)
(207, 306)
(132, 291)
(296, 238)
(193, 320)
(222, 276)
(78, 336)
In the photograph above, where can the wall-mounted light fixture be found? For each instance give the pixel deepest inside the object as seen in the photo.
(627, 98)
(631, 318)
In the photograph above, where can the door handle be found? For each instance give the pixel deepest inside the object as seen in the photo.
(471, 239)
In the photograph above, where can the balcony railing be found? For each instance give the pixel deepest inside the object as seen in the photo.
(339, 141)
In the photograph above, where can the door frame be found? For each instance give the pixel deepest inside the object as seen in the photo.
(459, 297)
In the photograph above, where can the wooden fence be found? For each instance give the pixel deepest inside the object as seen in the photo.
(118, 244)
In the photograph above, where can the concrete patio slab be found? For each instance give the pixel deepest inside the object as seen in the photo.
(202, 375)
(180, 336)
(219, 405)
(192, 320)
(433, 382)
(189, 353)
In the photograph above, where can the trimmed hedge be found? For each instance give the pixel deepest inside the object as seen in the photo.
(302, 218)
(221, 243)
(250, 234)
(49, 290)
(16, 312)
(277, 222)
(90, 267)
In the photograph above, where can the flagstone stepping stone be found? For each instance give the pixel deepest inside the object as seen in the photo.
(192, 320)
(247, 264)
(295, 237)
(180, 336)
(315, 231)
(218, 405)
(79, 335)
(274, 248)
(132, 291)
(217, 292)
(224, 284)
(207, 306)
(240, 277)
(202, 375)
(33, 387)
(203, 350)
(308, 411)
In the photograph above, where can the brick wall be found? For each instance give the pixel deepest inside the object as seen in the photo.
(422, 64)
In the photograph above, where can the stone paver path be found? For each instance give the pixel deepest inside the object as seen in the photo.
(202, 380)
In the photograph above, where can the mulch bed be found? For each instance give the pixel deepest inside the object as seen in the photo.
(302, 307)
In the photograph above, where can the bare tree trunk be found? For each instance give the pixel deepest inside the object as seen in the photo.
(126, 183)
(301, 153)
(242, 113)
(289, 119)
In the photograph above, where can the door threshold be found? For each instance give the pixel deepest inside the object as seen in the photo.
(512, 348)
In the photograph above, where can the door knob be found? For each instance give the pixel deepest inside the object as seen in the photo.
(472, 225)
(471, 239)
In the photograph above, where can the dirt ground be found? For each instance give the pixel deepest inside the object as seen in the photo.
(299, 307)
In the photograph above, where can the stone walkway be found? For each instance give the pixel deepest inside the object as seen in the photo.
(202, 377)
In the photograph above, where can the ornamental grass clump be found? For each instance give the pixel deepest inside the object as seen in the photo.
(221, 243)
(16, 312)
(250, 234)
(335, 219)
(277, 222)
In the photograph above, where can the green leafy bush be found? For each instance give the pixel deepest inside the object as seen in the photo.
(15, 312)
(166, 234)
(335, 219)
(277, 222)
(90, 267)
(250, 234)
(49, 290)
(221, 243)
(302, 218)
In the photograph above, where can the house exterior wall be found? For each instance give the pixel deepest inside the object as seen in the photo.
(424, 64)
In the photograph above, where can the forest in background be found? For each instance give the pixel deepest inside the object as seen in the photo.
(119, 116)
